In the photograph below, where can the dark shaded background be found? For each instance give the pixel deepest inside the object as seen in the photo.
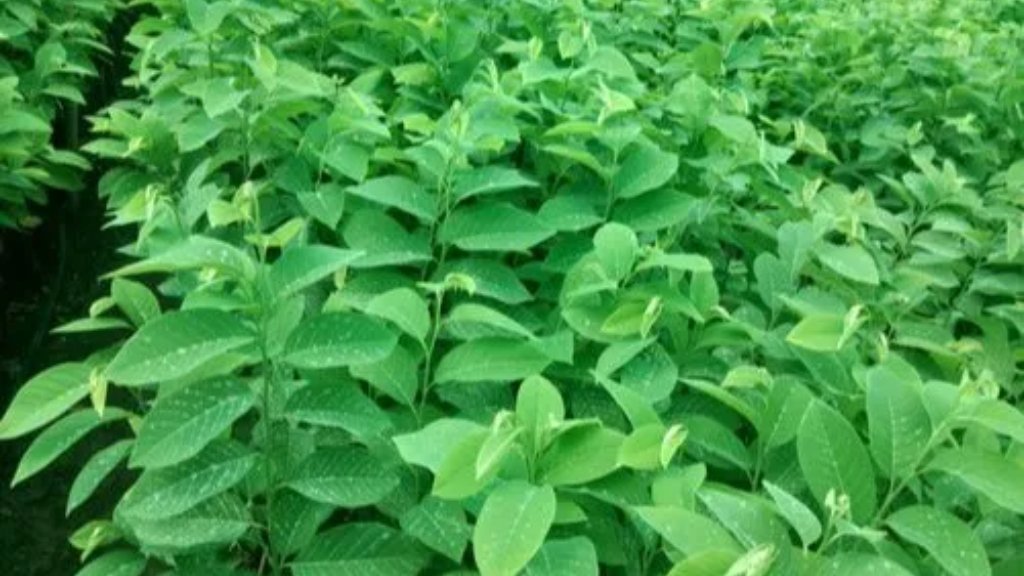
(49, 276)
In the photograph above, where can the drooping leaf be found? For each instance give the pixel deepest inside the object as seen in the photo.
(59, 437)
(99, 466)
(799, 516)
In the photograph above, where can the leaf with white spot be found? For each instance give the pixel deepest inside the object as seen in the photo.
(176, 343)
(349, 477)
(946, 538)
(338, 339)
(44, 398)
(511, 527)
(361, 549)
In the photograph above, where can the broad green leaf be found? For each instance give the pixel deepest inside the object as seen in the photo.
(616, 247)
(456, 478)
(995, 415)
(361, 549)
(337, 405)
(197, 131)
(470, 321)
(511, 527)
(499, 444)
(182, 423)
(749, 518)
(440, 525)
(654, 211)
(566, 212)
(644, 169)
(116, 563)
(349, 477)
(689, 532)
(819, 332)
(396, 376)
(217, 521)
(853, 262)
(134, 299)
(494, 228)
(946, 538)
(677, 262)
(491, 359)
(989, 474)
(175, 344)
(430, 446)
(302, 266)
(780, 419)
(735, 128)
(338, 339)
(898, 422)
(858, 563)
(576, 556)
(406, 309)
(195, 253)
(580, 455)
(295, 520)
(44, 398)
(799, 516)
(489, 180)
(706, 563)
(398, 192)
(492, 279)
(641, 450)
(383, 241)
(832, 457)
(166, 492)
(99, 466)
(59, 437)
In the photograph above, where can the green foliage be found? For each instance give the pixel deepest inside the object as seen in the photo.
(46, 53)
(558, 287)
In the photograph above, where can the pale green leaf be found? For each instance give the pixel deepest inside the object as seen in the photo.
(898, 423)
(439, 524)
(576, 556)
(406, 309)
(990, 474)
(644, 169)
(616, 247)
(946, 538)
(580, 455)
(511, 527)
(44, 398)
(687, 531)
(799, 516)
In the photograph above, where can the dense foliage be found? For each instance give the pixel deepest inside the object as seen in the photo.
(46, 51)
(557, 287)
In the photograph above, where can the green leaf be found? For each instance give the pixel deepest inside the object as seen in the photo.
(898, 423)
(430, 446)
(491, 360)
(383, 241)
(217, 521)
(95, 471)
(398, 192)
(195, 253)
(832, 457)
(134, 299)
(641, 450)
(987, 473)
(819, 332)
(349, 477)
(337, 405)
(470, 321)
(44, 398)
(116, 563)
(493, 279)
(166, 492)
(197, 131)
(396, 376)
(406, 309)
(677, 262)
(778, 422)
(858, 563)
(494, 227)
(440, 525)
(489, 180)
(511, 527)
(59, 437)
(361, 549)
(616, 247)
(735, 128)
(654, 211)
(295, 521)
(182, 423)
(946, 538)
(707, 563)
(687, 531)
(995, 415)
(302, 266)
(853, 262)
(576, 556)
(338, 339)
(539, 407)
(456, 478)
(175, 344)
(644, 169)
(799, 516)
(580, 455)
